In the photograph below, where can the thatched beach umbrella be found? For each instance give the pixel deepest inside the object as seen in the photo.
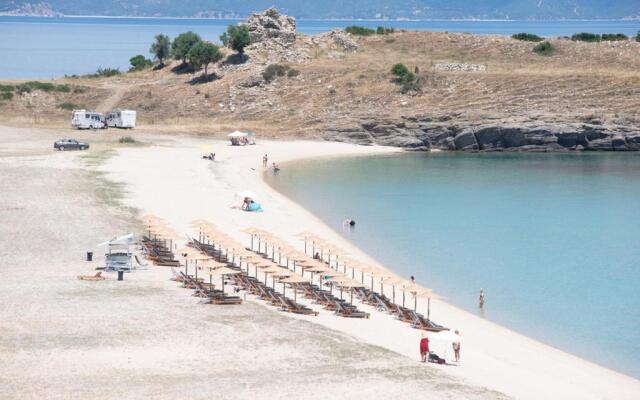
(292, 280)
(224, 271)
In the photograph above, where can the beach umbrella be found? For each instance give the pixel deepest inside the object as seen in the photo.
(293, 279)
(222, 271)
(237, 134)
(350, 284)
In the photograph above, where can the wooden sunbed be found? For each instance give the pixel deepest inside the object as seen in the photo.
(97, 277)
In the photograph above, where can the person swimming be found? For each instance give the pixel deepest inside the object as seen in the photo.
(349, 222)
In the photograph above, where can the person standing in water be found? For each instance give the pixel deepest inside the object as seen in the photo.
(481, 299)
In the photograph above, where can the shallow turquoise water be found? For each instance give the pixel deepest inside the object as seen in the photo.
(43, 47)
(554, 240)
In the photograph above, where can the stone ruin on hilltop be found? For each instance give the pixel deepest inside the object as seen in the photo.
(270, 24)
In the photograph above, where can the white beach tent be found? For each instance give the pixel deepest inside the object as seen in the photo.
(124, 240)
(237, 134)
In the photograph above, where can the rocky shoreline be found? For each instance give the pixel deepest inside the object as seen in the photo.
(424, 133)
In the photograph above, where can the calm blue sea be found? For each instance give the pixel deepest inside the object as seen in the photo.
(40, 47)
(554, 240)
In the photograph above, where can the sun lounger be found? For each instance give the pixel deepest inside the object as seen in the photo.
(97, 277)
(349, 312)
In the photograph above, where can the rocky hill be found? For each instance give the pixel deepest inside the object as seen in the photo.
(475, 92)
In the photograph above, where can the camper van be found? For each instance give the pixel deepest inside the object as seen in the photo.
(122, 119)
(83, 119)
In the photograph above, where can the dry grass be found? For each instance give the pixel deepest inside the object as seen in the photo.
(581, 80)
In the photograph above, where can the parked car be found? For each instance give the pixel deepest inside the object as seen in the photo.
(70, 144)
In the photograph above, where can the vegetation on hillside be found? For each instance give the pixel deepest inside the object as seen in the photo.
(161, 48)
(359, 30)
(408, 81)
(594, 37)
(203, 53)
(139, 63)
(236, 37)
(527, 37)
(544, 49)
(182, 44)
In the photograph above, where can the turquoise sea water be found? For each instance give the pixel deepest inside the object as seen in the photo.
(554, 240)
(41, 47)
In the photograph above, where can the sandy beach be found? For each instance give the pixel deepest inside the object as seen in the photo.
(146, 337)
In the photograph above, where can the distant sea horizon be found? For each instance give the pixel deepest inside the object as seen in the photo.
(36, 47)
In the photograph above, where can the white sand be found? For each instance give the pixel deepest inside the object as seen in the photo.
(173, 182)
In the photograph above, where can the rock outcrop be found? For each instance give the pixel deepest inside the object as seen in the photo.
(271, 25)
(425, 133)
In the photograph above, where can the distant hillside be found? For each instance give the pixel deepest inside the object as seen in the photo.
(339, 9)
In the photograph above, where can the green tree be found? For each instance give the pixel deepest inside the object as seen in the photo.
(204, 53)
(638, 37)
(138, 63)
(161, 48)
(182, 45)
(236, 37)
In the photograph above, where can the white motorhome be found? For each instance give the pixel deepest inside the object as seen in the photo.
(83, 119)
(122, 119)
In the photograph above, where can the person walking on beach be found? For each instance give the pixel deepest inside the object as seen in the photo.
(424, 347)
(265, 160)
(456, 347)
(481, 299)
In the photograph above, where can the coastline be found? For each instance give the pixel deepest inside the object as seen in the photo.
(493, 356)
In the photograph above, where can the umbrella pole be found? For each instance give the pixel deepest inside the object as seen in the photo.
(313, 248)
(251, 242)
(222, 276)
(210, 280)
(362, 272)
(295, 293)
(394, 294)
(428, 308)
(415, 302)
(305, 245)
(351, 301)
(403, 299)
(186, 270)
(196, 270)
(340, 292)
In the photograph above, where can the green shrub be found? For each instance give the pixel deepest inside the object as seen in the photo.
(79, 89)
(139, 63)
(104, 72)
(70, 106)
(381, 30)
(586, 37)
(292, 73)
(400, 70)
(613, 37)
(44, 86)
(127, 139)
(527, 37)
(544, 49)
(7, 95)
(23, 88)
(63, 88)
(7, 88)
(359, 30)
(638, 37)
(273, 71)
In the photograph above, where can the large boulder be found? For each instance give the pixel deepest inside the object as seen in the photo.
(270, 24)
(466, 140)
